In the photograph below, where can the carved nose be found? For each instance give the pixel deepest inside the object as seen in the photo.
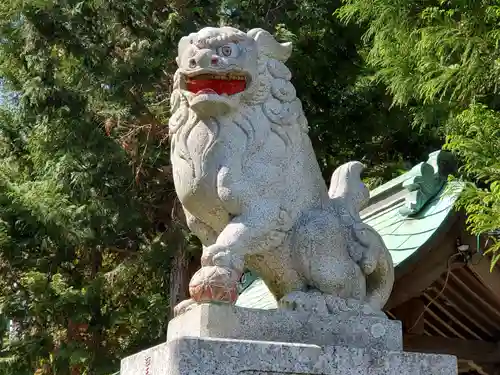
(203, 59)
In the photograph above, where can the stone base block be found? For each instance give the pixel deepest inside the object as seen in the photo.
(205, 356)
(341, 329)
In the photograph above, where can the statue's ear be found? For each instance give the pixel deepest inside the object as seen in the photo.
(183, 44)
(269, 46)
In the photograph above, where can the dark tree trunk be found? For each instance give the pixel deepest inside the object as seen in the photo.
(96, 319)
(184, 264)
(183, 267)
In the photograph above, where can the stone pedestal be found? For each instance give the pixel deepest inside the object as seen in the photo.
(227, 340)
(341, 329)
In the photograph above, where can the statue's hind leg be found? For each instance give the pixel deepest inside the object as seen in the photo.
(338, 275)
(330, 281)
(320, 251)
(306, 301)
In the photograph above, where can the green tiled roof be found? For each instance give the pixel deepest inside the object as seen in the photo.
(407, 212)
(257, 295)
(404, 235)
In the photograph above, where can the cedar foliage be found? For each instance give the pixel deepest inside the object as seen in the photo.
(89, 225)
(440, 59)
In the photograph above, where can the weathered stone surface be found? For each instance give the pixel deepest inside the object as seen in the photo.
(246, 174)
(202, 356)
(347, 328)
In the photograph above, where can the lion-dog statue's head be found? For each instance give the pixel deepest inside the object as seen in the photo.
(221, 70)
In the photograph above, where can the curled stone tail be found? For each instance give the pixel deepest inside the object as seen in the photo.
(379, 283)
(374, 259)
(346, 184)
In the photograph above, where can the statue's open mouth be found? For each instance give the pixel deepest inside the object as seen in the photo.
(220, 83)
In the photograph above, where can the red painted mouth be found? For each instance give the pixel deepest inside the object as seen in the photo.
(214, 84)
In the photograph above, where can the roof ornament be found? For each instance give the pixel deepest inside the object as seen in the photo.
(426, 181)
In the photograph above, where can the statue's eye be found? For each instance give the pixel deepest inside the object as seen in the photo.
(228, 50)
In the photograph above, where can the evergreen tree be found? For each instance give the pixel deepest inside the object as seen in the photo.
(86, 235)
(440, 58)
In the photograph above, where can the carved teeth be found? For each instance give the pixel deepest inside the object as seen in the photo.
(237, 77)
(223, 77)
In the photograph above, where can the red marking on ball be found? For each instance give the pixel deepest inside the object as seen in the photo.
(214, 284)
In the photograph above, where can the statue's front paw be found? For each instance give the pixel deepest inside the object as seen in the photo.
(209, 252)
(221, 256)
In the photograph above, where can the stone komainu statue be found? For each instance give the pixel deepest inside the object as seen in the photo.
(250, 185)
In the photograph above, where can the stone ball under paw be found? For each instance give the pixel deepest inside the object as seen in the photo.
(213, 283)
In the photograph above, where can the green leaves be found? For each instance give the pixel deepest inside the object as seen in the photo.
(71, 208)
(440, 58)
(428, 53)
(474, 134)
